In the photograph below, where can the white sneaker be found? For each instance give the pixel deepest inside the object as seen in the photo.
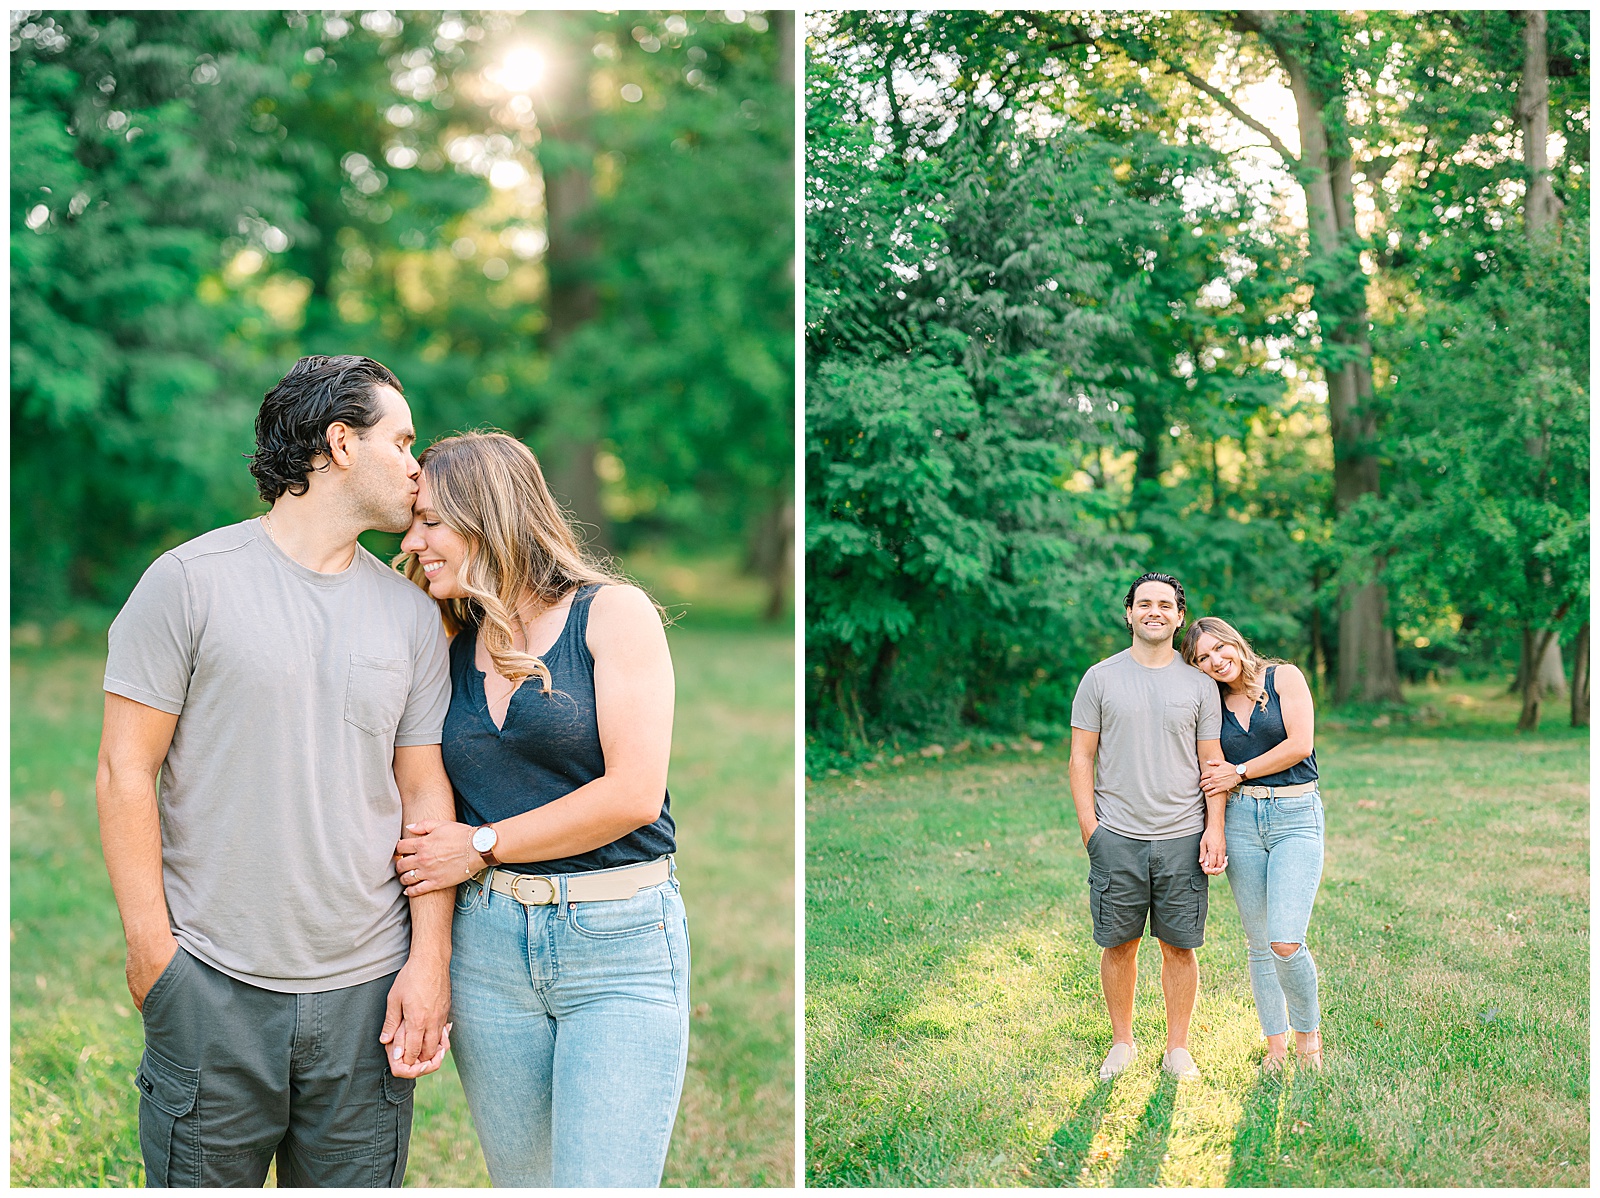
(1181, 1065)
(1118, 1059)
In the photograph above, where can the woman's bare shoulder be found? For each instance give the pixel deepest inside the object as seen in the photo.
(623, 607)
(1292, 674)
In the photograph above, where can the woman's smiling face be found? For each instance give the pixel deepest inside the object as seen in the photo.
(441, 551)
(1219, 660)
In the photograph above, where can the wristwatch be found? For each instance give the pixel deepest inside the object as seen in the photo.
(1239, 769)
(484, 840)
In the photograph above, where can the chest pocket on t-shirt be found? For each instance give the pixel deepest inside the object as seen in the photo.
(375, 693)
(1179, 717)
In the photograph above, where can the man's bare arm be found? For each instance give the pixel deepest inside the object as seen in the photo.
(134, 740)
(1213, 841)
(419, 1001)
(1080, 772)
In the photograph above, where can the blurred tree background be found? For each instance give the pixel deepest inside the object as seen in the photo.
(1291, 305)
(573, 226)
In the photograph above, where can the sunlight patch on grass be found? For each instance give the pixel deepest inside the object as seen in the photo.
(1005, 1040)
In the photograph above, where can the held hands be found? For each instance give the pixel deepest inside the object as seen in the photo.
(1217, 777)
(1213, 850)
(414, 1022)
(436, 856)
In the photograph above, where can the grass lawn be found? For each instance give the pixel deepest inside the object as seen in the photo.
(75, 1037)
(954, 1020)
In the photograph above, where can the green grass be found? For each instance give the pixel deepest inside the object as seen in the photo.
(75, 1037)
(954, 1019)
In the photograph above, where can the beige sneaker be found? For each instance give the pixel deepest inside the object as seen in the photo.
(1118, 1059)
(1181, 1065)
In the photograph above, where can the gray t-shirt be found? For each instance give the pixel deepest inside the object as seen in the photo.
(1146, 771)
(279, 810)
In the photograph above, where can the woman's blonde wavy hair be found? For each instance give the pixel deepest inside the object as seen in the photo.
(1252, 667)
(488, 487)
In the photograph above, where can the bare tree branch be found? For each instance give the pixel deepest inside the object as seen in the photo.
(1238, 113)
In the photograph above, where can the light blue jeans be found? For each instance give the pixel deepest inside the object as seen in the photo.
(571, 1033)
(1274, 868)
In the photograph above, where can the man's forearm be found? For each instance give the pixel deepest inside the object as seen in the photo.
(130, 838)
(430, 913)
(1081, 777)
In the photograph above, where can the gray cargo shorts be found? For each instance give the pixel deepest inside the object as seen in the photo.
(233, 1075)
(1130, 878)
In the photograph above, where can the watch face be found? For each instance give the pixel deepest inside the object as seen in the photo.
(483, 839)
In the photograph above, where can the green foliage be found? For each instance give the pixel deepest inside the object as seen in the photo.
(125, 176)
(692, 354)
(1486, 522)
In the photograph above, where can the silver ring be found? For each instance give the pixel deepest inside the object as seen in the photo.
(411, 873)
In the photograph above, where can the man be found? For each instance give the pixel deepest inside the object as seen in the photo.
(1142, 721)
(290, 690)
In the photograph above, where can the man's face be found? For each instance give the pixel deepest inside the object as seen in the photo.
(383, 477)
(1155, 614)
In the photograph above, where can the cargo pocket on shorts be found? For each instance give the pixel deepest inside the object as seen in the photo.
(1099, 883)
(169, 1133)
(1200, 891)
(397, 1093)
(375, 693)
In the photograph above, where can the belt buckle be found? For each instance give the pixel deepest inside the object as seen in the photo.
(531, 901)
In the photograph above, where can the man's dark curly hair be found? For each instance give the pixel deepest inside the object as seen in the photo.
(292, 426)
(1153, 577)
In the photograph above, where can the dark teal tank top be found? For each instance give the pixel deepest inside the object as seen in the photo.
(1266, 732)
(548, 747)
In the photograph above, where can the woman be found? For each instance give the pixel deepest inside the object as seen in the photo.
(570, 971)
(1273, 826)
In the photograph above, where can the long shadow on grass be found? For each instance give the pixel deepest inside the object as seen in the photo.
(1140, 1165)
(1068, 1148)
(1067, 1154)
(1259, 1135)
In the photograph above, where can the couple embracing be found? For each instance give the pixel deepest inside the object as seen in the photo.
(394, 808)
(1185, 764)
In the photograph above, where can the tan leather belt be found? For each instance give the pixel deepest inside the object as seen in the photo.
(601, 885)
(1277, 792)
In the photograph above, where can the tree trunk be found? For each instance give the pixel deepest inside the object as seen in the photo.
(1150, 421)
(883, 664)
(566, 159)
(1318, 657)
(1580, 678)
(1541, 207)
(1552, 675)
(780, 560)
(1367, 669)
(1535, 644)
(1540, 669)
